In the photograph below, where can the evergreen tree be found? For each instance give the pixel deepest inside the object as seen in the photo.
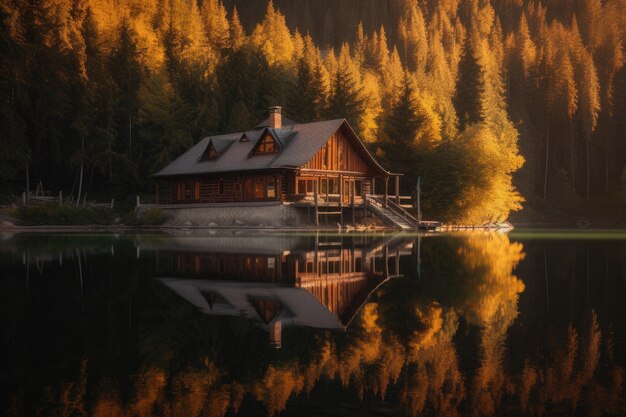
(308, 98)
(401, 131)
(345, 100)
(469, 88)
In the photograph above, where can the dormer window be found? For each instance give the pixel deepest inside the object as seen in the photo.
(210, 152)
(267, 145)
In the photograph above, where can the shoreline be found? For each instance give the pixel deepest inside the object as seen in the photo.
(296, 229)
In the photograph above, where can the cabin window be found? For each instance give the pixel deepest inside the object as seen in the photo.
(301, 186)
(309, 186)
(258, 190)
(248, 188)
(357, 187)
(267, 145)
(333, 186)
(210, 153)
(196, 190)
(271, 266)
(187, 190)
(324, 188)
(179, 192)
(220, 186)
(271, 190)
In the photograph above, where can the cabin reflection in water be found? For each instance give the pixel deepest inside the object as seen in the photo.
(314, 281)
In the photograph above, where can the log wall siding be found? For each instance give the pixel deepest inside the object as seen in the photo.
(234, 188)
(342, 156)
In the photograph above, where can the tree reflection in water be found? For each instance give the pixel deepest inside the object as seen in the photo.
(454, 338)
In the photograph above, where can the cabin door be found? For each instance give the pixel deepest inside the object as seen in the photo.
(347, 190)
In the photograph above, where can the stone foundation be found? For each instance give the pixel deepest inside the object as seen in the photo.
(264, 215)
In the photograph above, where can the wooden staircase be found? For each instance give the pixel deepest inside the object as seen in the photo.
(392, 213)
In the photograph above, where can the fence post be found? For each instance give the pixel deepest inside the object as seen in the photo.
(112, 202)
(24, 198)
(60, 197)
(138, 202)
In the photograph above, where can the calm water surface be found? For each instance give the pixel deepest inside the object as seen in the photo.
(236, 324)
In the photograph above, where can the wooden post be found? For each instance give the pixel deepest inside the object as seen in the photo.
(418, 190)
(386, 190)
(398, 261)
(352, 200)
(60, 197)
(397, 189)
(315, 190)
(341, 190)
(27, 199)
(373, 185)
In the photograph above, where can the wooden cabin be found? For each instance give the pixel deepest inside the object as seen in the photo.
(319, 164)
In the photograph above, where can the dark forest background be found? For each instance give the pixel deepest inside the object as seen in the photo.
(497, 105)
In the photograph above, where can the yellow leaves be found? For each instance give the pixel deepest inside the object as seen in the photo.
(149, 388)
(431, 317)
(273, 38)
(276, 387)
(372, 109)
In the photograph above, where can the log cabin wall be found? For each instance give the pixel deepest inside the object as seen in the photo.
(232, 188)
(246, 267)
(338, 154)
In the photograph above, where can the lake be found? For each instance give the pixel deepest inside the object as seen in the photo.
(251, 324)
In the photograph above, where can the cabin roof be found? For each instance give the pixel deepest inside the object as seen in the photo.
(299, 142)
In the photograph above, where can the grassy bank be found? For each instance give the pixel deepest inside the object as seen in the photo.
(53, 215)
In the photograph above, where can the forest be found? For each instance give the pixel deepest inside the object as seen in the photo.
(494, 105)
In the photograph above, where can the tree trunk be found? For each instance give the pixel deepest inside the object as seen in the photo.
(588, 167)
(82, 166)
(27, 184)
(545, 174)
(572, 158)
(606, 166)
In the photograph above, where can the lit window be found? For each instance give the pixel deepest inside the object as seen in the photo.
(210, 153)
(267, 145)
(258, 190)
(271, 190)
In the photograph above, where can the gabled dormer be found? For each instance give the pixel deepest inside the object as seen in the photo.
(210, 152)
(267, 144)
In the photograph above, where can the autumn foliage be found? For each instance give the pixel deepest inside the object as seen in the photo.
(459, 93)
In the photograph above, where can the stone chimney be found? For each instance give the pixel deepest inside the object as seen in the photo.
(276, 118)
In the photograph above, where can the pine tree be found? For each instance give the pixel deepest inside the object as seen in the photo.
(237, 33)
(345, 100)
(401, 130)
(469, 88)
(216, 24)
(15, 153)
(307, 100)
(127, 73)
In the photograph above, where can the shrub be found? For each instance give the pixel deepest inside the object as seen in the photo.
(48, 214)
(153, 217)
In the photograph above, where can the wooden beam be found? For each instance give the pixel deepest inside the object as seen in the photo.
(315, 190)
(386, 190)
(397, 189)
